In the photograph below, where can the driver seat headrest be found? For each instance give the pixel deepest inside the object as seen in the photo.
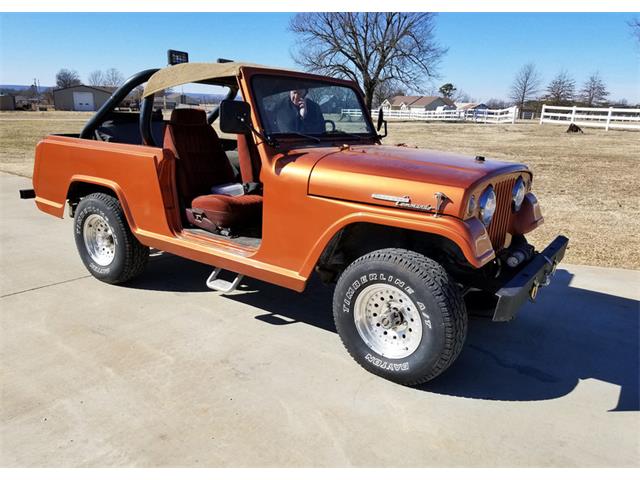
(188, 116)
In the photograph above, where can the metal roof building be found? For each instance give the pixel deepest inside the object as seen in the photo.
(7, 102)
(81, 97)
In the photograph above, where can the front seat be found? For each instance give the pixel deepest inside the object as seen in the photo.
(201, 163)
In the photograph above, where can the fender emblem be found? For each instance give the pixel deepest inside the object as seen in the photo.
(402, 202)
(391, 198)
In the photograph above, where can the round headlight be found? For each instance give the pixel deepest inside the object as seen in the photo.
(518, 194)
(487, 205)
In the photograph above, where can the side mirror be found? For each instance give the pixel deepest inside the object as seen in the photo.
(380, 119)
(381, 122)
(235, 116)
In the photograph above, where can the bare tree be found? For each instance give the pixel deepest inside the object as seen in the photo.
(47, 96)
(496, 104)
(462, 97)
(594, 90)
(368, 47)
(386, 90)
(561, 89)
(634, 24)
(432, 90)
(137, 92)
(67, 78)
(113, 78)
(525, 86)
(96, 78)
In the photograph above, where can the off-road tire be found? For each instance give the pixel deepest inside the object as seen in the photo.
(130, 256)
(427, 284)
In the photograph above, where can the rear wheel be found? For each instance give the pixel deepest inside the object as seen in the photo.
(399, 315)
(105, 243)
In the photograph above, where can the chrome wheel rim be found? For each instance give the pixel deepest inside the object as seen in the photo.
(98, 239)
(388, 321)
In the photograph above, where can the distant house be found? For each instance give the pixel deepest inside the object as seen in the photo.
(81, 98)
(22, 102)
(186, 101)
(415, 103)
(471, 106)
(175, 100)
(426, 103)
(399, 102)
(165, 101)
(7, 102)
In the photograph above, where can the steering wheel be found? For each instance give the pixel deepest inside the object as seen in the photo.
(332, 123)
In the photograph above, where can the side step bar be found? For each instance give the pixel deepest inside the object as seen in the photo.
(220, 285)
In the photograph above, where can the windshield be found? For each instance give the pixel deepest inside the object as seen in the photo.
(294, 106)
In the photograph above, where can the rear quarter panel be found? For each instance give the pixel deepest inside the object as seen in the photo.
(131, 171)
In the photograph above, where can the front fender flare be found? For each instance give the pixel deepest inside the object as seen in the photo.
(469, 235)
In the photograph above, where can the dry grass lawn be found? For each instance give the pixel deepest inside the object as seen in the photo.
(21, 131)
(588, 185)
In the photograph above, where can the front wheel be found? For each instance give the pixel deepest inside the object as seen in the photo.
(104, 240)
(399, 315)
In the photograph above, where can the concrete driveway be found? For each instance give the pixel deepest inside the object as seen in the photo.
(163, 372)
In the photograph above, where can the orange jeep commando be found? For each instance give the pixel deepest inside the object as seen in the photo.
(303, 184)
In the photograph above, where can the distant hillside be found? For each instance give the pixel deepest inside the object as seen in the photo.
(191, 96)
(21, 87)
(201, 97)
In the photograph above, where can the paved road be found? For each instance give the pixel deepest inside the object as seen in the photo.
(163, 372)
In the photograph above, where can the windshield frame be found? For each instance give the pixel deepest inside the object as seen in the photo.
(329, 81)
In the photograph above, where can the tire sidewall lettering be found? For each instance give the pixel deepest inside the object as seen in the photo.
(437, 305)
(431, 334)
(386, 364)
(381, 277)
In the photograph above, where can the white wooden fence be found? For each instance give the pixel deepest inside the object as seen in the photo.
(628, 118)
(507, 115)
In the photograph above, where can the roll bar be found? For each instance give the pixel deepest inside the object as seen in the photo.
(146, 110)
(114, 100)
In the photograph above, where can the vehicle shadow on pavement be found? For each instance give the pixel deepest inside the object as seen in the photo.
(166, 272)
(169, 273)
(568, 335)
(286, 307)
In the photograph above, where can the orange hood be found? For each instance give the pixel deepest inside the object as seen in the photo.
(362, 173)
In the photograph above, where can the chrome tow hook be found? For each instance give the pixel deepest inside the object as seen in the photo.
(545, 282)
(533, 293)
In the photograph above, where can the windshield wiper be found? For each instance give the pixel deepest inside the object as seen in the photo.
(298, 134)
(352, 135)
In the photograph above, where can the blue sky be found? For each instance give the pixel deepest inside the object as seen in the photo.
(485, 49)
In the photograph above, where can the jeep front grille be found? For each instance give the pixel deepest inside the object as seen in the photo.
(502, 218)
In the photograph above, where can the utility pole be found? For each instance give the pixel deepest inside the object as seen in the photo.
(37, 88)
